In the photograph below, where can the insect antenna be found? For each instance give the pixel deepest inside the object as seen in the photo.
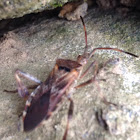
(92, 53)
(115, 49)
(86, 47)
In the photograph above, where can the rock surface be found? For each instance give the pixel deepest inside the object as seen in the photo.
(129, 3)
(34, 48)
(18, 8)
(107, 4)
(110, 4)
(73, 10)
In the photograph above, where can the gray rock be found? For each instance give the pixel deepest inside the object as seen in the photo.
(130, 3)
(107, 4)
(18, 8)
(79, 9)
(34, 48)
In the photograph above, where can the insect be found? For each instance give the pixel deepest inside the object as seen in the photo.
(43, 101)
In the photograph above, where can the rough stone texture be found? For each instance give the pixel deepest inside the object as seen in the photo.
(34, 48)
(107, 4)
(73, 10)
(129, 3)
(110, 4)
(18, 8)
(68, 7)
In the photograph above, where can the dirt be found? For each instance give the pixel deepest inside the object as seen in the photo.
(34, 48)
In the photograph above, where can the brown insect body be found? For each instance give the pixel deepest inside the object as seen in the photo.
(50, 93)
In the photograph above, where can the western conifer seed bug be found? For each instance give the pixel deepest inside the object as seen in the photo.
(48, 94)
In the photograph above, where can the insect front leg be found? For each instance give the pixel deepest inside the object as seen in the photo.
(93, 80)
(70, 113)
(22, 89)
(93, 77)
(87, 70)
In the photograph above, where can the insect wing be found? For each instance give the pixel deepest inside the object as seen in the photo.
(36, 112)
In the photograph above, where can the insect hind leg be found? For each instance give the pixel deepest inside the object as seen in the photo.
(70, 113)
(22, 89)
(20, 123)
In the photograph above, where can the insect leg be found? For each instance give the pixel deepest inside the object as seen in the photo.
(86, 47)
(101, 95)
(95, 73)
(15, 91)
(22, 89)
(70, 113)
(87, 70)
(86, 83)
(92, 79)
(27, 76)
